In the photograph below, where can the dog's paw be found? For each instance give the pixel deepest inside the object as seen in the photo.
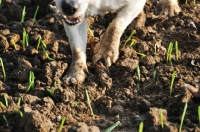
(76, 74)
(170, 7)
(109, 52)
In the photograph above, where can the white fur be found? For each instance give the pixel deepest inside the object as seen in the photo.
(109, 43)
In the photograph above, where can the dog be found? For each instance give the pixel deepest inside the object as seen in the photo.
(75, 12)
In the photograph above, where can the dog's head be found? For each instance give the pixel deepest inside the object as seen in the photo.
(73, 11)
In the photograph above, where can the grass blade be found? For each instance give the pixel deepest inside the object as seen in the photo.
(88, 102)
(61, 124)
(19, 101)
(35, 14)
(141, 126)
(161, 118)
(176, 49)
(172, 82)
(6, 99)
(23, 14)
(2, 105)
(183, 116)
(2, 66)
(112, 127)
(5, 119)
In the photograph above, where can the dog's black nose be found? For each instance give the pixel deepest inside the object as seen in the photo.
(69, 8)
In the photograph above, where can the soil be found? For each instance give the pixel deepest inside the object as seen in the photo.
(117, 94)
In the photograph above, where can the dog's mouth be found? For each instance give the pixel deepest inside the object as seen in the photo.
(70, 20)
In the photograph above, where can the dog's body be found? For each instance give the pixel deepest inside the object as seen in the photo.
(75, 11)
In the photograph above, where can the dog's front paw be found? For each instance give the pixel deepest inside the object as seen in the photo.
(170, 7)
(109, 52)
(76, 74)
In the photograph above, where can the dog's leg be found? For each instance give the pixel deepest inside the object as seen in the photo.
(170, 7)
(77, 36)
(108, 48)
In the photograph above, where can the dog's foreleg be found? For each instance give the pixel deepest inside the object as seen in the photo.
(108, 48)
(77, 37)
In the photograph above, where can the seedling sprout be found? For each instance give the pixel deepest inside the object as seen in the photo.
(182, 117)
(14, 44)
(91, 32)
(39, 41)
(35, 14)
(138, 72)
(24, 38)
(18, 112)
(3, 70)
(52, 94)
(169, 52)
(27, 39)
(141, 126)
(5, 119)
(142, 54)
(19, 101)
(172, 81)
(31, 81)
(161, 118)
(44, 51)
(112, 127)
(23, 14)
(6, 99)
(2, 105)
(130, 38)
(88, 102)
(61, 124)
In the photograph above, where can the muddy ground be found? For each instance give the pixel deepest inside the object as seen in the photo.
(116, 95)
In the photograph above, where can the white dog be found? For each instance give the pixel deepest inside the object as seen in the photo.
(75, 12)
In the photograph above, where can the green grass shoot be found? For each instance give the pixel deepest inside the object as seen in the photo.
(5, 119)
(2, 105)
(169, 53)
(112, 127)
(130, 38)
(13, 43)
(161, 118)
(176, 49)
(0, 2)
(55, 85)
(5, 99)
(91, 32)
(61, 124)
(3, 69)
(154, 74)
(18, 112)
(172, 82)
(76, 102)
(182, 117)
(24, 38)
(141, 126)
(35, 14)
(88, 102)
(199, 114)
(155, 48)
(52, 94)
(23, 14)
(142, 54)
(31, 82)
(39, 41)
(44, 51)
(19, 101)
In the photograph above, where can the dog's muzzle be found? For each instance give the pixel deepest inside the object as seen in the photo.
(69, 9)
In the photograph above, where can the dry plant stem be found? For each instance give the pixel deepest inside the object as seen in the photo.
(88, 102)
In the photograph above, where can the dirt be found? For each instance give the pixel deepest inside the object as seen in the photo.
(117, 93)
